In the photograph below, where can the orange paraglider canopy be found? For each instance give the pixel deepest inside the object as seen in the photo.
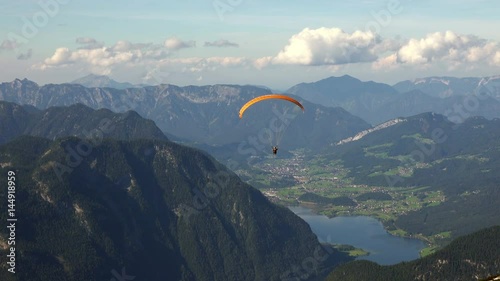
(266, 97)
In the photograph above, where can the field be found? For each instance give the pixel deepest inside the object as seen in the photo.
(324, 186)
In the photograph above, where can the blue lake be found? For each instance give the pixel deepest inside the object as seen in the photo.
(362, 232)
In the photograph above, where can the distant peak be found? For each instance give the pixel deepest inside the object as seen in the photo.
(21, 80)
(345, 77)
(93, 80)
(93, 77)
(24, 81)
(336, 79)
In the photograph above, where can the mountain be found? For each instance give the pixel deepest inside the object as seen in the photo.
(102, 81)
(472, 257)
(427, 151)
(75, 120)
(442, 87)
(145, 209)
(377, 103)
(457, 108)
(206, 114)
(357, 97)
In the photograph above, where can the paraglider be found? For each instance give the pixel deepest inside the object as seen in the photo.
(266, 97)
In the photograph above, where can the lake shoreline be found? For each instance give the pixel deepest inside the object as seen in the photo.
(397, 232)
(378, 241)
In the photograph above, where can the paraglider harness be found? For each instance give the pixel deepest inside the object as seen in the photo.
(275, 150)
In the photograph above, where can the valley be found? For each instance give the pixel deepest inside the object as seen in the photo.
(316, 183)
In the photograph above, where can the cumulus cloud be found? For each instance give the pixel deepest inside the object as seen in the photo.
(196, 64)
(389, 62)
(227, 61)
(437, 46)
(330, 47)
(448, 47)
(125, 54)
(221, 43)
(143, 51)
(175, 43)
(88, 43)
(496, 59)
(61, 56)
(333, 47)
(102, 59)
(327, 46)
(262, 62)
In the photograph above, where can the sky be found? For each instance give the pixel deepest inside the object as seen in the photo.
(272, 43)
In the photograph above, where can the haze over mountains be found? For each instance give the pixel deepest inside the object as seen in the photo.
(207, 114)
(201, 113)
(443, 87)
(377, 102)
(102, 81)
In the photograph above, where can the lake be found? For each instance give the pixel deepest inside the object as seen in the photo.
(362, 232)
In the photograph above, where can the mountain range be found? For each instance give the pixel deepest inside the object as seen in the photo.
(443, 87)
(457, 98)
(207, 114)
(75, 120)
(203, 114)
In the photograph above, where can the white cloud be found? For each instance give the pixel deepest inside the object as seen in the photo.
(227, 61)
(62, 56)
(327, 46)
(125, 46)
(262, 62)
(333, 46)
(448, 47)
(175, 43)
(496, 59)
(196, 64)
(330, 47)
(127, 55)
(104, 58)
(389, 62)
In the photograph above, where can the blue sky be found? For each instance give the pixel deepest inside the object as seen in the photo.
(274, 43)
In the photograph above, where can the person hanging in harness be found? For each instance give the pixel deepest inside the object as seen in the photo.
(267, 97)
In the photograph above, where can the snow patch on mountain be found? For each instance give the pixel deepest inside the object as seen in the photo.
(362, 134)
